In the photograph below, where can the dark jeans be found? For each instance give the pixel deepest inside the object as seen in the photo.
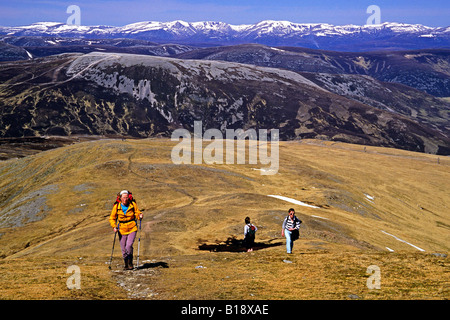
(249, 241)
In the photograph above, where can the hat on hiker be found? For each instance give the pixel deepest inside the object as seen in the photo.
(124, 191)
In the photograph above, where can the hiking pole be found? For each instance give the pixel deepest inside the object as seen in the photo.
(112, 251)
(139, 244)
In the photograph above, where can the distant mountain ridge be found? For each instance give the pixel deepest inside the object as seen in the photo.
(426, 70)
(387, 35)
(146, 96)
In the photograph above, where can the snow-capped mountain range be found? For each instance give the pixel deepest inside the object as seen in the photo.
(269, 32)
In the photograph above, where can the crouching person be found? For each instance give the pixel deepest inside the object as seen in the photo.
(123, 219)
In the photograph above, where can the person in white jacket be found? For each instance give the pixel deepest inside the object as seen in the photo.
(249, 235)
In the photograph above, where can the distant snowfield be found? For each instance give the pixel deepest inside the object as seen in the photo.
(181, 28)
(90, 66)
(268, 32)
(369, 197)
(293, 201)
(315, 216)
(398, 239)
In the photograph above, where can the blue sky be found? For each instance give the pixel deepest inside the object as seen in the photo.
(121, 12)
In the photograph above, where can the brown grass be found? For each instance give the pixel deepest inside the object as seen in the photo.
(190, 206)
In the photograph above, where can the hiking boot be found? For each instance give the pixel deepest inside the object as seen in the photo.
(130, 262)
(126, 264)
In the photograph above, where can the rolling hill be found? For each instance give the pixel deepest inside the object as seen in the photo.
(372, 206)
(426, 70)
(143, 96)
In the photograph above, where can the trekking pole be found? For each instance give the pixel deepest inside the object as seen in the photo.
(112, 251)
(139, 244)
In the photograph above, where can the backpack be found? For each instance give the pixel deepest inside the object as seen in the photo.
(130, 197)
(251, 230)
(117, 202)
(295, 235)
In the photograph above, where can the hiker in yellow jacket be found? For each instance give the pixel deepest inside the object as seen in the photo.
(123, 219)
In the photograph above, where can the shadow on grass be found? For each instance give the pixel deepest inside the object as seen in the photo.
(234, 245)
(153, 265)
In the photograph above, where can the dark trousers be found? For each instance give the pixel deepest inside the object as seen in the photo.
(249, 241)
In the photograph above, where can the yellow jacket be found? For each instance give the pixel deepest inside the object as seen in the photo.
(127, 222)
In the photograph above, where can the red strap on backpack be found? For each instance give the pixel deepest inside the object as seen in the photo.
(130, 197)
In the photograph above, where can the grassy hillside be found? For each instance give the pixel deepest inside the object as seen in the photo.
(371, 201)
